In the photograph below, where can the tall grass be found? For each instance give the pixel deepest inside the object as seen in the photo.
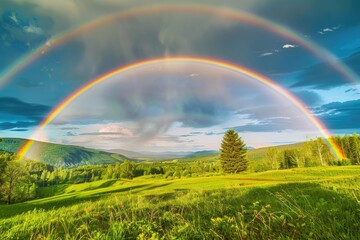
(285, 211)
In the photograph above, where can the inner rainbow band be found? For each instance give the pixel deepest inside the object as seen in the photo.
(227, 13)
(336, 150)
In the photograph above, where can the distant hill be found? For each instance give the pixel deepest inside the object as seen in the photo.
(252, 154)
(260, 153)
(59, 155)
(202, 153)
(68, 156)
(151, 156)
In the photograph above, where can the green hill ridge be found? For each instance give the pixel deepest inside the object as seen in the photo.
(68, 156)
(59, 155)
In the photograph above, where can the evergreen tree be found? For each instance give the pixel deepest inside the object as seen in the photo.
(233, 153)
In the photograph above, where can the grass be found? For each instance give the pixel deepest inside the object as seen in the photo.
(311, 203)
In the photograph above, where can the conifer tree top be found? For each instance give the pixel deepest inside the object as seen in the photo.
(233, 153)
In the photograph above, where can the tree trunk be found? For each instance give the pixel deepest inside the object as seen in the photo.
(320, 156)
(10, 190)
(319, 147)
(9, 199)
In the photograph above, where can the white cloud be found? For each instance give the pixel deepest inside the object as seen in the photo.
(289, 46)
(266, 54)
(14, 18)
(115, 128)
(327, 30)
(33, 29)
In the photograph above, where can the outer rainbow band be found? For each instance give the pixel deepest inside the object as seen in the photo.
(227, 13)
(260, 78)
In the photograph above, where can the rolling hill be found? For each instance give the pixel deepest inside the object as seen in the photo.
(68, 156)
(58, 155)
(150, 156)
(260, 153)
(253, 154)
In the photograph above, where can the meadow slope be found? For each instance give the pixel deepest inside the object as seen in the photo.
(311, 203)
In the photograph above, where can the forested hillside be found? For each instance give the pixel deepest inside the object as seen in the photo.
(59, 155)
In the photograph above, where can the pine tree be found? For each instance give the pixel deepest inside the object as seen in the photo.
(233, 153)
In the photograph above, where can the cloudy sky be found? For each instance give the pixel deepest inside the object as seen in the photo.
(178, 105)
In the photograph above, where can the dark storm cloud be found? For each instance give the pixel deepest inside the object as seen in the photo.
(340, 115)
(16, 107)
(22, 114)
(17, 126)
(321, 76)
(19, 130)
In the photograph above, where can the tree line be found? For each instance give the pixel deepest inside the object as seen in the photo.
(312, 153)
(20, 181)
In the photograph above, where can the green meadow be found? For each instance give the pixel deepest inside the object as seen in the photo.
(305, 203)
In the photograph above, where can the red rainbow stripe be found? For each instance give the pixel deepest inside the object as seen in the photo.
(266, 81)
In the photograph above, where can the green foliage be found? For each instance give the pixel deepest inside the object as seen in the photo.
(272, 155)
(350, 146)
(324, 207)
(233, 153)
(311, 153)
(177, 174)
(290, 158)
(15, 181)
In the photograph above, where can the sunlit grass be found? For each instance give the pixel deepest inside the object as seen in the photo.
(311, 203)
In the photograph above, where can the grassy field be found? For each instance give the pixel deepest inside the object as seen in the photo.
(311, 203)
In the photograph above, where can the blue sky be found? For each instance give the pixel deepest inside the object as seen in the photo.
(161, 112)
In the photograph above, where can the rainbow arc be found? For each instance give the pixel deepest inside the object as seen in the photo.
(226, 13)
(211, 62)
